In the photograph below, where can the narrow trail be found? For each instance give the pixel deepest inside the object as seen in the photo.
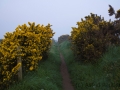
(67, 85)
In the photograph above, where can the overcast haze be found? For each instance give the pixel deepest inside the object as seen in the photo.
(62, 14)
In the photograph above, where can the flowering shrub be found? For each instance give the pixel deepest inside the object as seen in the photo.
(31, 43)
(92, 36)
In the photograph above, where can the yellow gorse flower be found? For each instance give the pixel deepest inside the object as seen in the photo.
(31, 68)
(16, 68)
(34, 41)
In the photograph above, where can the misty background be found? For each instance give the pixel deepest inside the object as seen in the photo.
(61, 14)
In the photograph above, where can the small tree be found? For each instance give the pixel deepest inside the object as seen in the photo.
(112, 12)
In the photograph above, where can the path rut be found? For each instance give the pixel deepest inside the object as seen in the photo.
(67, 85)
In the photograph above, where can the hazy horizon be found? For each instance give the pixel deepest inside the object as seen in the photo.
(62, 15)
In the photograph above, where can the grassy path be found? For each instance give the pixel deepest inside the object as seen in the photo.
(67, 85)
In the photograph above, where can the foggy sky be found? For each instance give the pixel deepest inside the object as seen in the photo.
(62, 14)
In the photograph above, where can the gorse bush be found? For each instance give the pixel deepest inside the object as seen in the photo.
(31, 43)
(92, 36)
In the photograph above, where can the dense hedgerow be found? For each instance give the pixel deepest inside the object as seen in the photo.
(92, 37)
(31, 43)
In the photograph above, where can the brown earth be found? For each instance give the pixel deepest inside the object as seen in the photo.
(67, 85)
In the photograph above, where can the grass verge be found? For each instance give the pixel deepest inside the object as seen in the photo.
(101, 76)
(46, 77)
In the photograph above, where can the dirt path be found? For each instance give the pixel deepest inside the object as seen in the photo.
(65, 75)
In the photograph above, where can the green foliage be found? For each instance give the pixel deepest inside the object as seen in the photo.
(46, 77)
(92, 36)
(103, 75)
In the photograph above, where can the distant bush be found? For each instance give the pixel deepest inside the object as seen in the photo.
(63, 38)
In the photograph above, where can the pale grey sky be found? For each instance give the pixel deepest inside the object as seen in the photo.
(62, 14)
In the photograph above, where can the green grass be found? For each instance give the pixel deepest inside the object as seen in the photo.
(97, 76)
(46, 77)
(83, 76)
